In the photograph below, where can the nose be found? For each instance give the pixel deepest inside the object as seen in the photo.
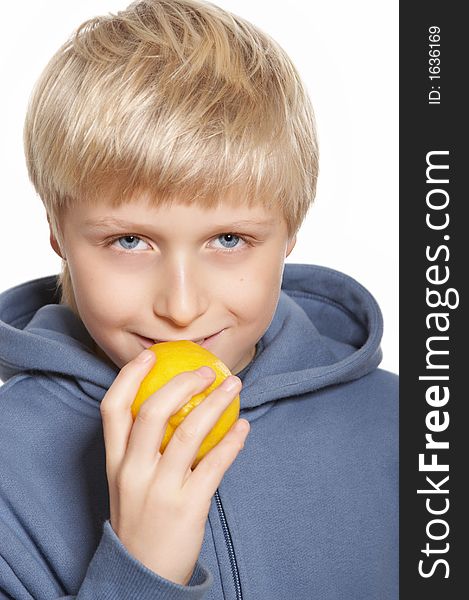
(181, 296)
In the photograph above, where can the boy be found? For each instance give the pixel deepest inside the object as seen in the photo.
(173, 146)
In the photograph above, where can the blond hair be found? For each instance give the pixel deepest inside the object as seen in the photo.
(177, 98)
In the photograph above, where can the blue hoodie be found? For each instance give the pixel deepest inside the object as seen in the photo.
(308, 510)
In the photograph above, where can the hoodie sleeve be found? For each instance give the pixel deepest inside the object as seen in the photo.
(56, 540)
(113, 574)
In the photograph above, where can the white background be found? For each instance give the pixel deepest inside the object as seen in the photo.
(347, 54)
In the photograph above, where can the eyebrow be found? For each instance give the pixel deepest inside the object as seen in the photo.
(112, 222)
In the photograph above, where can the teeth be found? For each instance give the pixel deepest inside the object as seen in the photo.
(195, 341)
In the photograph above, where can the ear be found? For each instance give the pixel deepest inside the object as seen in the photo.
(54, 243)
(291, 244)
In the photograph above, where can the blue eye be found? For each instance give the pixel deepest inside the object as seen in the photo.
(228, 240)
(128, 242)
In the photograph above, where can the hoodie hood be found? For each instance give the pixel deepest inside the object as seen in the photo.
(326, 330)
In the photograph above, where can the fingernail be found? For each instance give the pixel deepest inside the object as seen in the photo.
(206, 372)
(242, 426)
(145, 356)
(230, 383)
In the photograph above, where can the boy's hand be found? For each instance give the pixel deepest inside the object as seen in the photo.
(158, 506)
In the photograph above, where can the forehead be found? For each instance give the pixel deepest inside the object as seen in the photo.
(229, 211)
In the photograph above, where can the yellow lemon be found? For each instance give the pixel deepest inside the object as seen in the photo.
(173, 358)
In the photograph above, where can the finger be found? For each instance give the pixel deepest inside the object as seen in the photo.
(213, 466)
(182, 449)
(115, 408)
(150, 424)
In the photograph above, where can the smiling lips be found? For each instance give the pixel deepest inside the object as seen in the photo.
(201, 341)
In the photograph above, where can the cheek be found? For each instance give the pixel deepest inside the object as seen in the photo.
(101, 293)
(254, 293)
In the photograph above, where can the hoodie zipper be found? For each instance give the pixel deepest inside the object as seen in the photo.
(229, 545)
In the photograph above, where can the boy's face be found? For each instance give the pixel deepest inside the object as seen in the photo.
(143, 274)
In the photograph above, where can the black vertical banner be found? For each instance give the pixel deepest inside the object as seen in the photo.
(434, 234)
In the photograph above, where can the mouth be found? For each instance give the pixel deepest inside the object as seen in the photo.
(203, 341)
